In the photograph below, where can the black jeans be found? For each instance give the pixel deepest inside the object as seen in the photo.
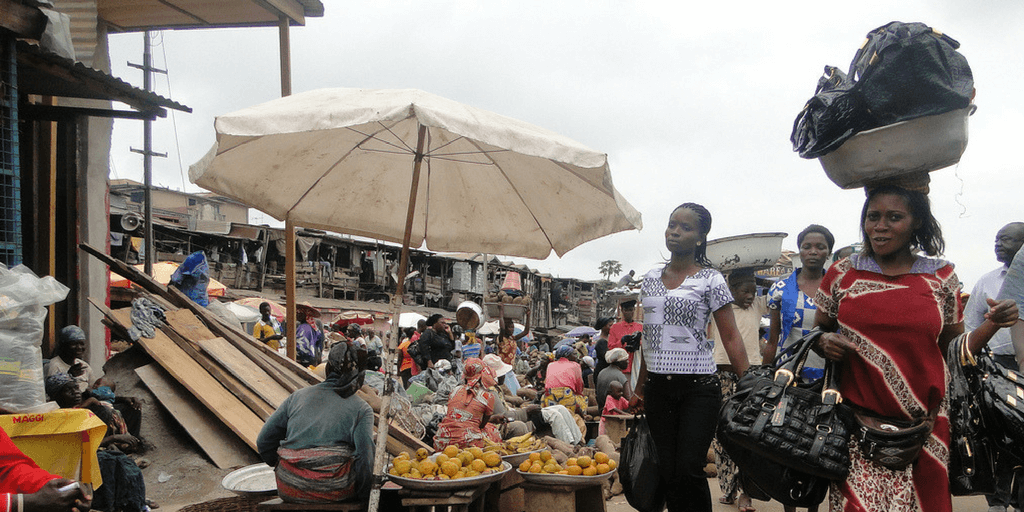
(682, 411)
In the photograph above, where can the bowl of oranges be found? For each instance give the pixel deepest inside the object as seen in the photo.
(543, 468)
(452, 468)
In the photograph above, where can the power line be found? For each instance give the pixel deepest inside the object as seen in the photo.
(174, 118)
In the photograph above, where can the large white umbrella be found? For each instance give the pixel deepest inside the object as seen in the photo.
(411, 167)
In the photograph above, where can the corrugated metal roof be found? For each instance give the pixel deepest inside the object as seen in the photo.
(47, 74)
(139, 15)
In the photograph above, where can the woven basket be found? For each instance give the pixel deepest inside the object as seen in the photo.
(232, 504)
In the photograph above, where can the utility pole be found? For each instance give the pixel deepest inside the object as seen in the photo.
(147, 152)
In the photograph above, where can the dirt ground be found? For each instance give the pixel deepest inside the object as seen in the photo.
(188, 476)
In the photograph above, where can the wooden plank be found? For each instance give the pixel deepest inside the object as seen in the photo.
(245, 370)
(110, 321)
(219, 443)
(247, 397)
(190, 327)
(221, 402)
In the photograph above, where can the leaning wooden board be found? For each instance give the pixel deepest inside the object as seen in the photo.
(245, 370)
(219, 443)
(228, 408)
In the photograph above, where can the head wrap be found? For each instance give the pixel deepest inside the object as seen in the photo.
(56, 382)
(345, 368)
(564, 351)
(589, 361)
(478, 374)
(69, 333)
(615, 355)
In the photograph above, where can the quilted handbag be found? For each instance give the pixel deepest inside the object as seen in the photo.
(799, 426)
(972, 453)
(1002, 402)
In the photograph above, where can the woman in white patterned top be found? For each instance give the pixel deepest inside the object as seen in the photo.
(677, 386)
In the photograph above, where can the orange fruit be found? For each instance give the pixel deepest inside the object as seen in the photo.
(574, 470)
(590, 471)
(545, 455)
(584, 461)
(471, 473)
(612, 464)
(536, 468)
(428, 468)
(601, 458)
(563, 472)
(466, 457)
(394, 471)
(492, 459)
(525, 466)
(421, 454)
(403, 466)
(552, 467)
(477, 452)
(479, 465)
(451, 450)
(571, 462)
(535, 456)
(603, 468)
(440, 459)
(415, 473)
(449, 468)
(403, 455)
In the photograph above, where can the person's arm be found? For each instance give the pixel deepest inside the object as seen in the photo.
(272, 433)
(731, 339)
(774, 332)
(1000, 314)
(1017, 336)
(526, 330)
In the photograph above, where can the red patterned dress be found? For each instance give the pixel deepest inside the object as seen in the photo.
(898, 371)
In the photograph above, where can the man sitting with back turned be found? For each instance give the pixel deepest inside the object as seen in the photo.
(320, 440)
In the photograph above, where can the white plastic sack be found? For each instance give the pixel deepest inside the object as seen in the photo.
(563, 426)
(23, 300)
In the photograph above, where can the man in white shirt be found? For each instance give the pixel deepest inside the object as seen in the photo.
(1008, 241)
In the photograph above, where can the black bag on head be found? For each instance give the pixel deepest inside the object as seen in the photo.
(902, 71)
(638, 469)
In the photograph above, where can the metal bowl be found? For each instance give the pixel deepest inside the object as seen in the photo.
(756, 250)
(449, 485)
(574, 480)
(517, 458)
(254, 480)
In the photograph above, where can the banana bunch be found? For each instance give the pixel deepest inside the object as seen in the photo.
(525, 443)
(519, 444)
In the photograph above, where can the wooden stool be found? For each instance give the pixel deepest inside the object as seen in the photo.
(279, 504)
(563, 498)
(456, 501)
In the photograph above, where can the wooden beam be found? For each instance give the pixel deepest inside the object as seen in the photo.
(246, 371)
(35, 111)
(289, 8)
(219, 443)
(221, 402)
(289, 286)
(24, 21)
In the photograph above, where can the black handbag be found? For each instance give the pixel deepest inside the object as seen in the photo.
(972, 453)
(800, 426)
(891, 442)
(1002, 401)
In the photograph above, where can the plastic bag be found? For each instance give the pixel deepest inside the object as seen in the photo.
(23, 300)
(192, 277)
(902, 71)
(638, 469)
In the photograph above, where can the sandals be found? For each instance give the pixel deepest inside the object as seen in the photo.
(748, 507)
(726, 500)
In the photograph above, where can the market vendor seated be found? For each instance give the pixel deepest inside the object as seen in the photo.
(63, 389)
(470, 420)
(67, 357)
(320, 440)
(563, 385)
(519, 419)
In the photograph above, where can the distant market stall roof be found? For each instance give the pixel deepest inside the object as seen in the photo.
(139, 15)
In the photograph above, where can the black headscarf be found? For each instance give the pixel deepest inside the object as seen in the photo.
(345, 365)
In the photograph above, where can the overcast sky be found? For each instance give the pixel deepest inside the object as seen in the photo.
(690, 102)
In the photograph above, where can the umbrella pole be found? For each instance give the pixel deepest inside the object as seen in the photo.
(289, 287)
(388, 357)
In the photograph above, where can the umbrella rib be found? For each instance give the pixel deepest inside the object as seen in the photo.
(335, 164)
(503, 173)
